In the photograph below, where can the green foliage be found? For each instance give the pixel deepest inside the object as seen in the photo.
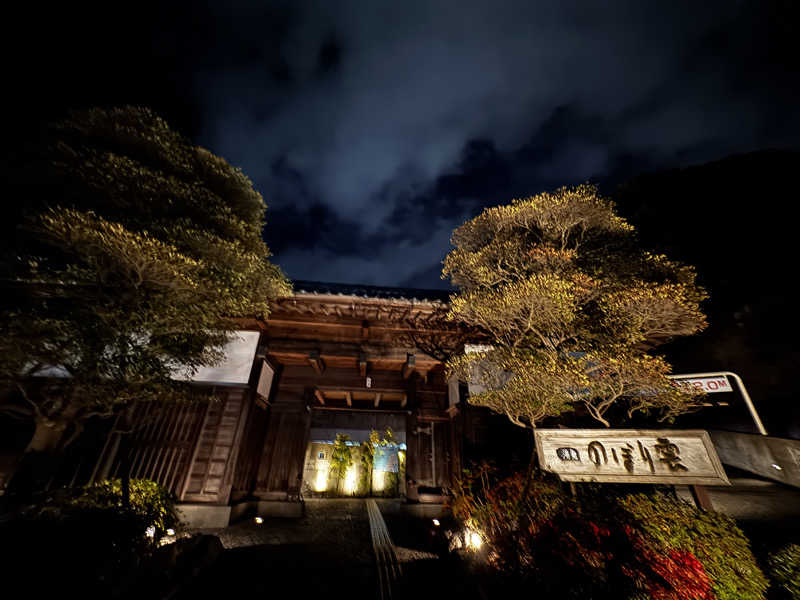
(570, 305)
(153, 504)
(391, 480)
(341, 457)
(712, 537)
(601, 546)
(85, 536)
(367, 460)
(132, 254)
(784, 571)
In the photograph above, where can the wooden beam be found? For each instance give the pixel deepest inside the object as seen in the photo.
(349, 397)
(362, 364)
(319, 397)
(377, 399)
(293, 347)
(404, 401)
(409, 366)
(316, 362)
(390, 411)
(299, 377)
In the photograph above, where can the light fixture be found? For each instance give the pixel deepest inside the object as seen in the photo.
(258, 520)
(472, 539)
(774, 466)
(436, 522)
(150, 531)
(170, 531)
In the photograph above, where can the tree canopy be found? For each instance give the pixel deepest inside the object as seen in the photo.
(571, 306)
(129, 252)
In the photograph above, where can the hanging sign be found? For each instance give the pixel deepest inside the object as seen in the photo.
(630, 456)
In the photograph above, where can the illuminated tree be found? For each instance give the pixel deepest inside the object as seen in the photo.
(571, 306)
(128, 252)
(367, 459)
(341, 458)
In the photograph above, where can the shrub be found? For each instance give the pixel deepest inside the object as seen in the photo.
(784, 570)
(606, 546)
(713, 538)
(152, 504)
(85, 538)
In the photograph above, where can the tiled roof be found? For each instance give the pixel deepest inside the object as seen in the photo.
(370, 291)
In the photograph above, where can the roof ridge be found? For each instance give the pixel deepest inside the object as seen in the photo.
(370, 291)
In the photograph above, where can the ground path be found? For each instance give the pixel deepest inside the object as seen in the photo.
(329, 554)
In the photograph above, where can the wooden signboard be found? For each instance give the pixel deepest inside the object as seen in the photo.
(630, 456)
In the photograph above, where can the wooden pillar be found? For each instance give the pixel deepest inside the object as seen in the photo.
(281, 464)
(412, 440)
(701, 497)
(299, 445)
(412, 457)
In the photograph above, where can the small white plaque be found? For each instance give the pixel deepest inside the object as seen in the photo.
(709, 385)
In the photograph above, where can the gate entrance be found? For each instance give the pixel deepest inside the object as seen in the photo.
(355, 453)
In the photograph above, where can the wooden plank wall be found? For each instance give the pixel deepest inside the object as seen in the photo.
(161, 448)
(210, 475)
(189, 448)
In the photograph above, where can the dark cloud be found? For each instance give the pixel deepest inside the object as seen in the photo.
(403, 120)
(373, 128)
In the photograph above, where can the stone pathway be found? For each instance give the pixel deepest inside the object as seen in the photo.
(331, 553)
(386, 565)
(326, 554)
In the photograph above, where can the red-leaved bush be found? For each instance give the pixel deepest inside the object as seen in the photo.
(605, 544)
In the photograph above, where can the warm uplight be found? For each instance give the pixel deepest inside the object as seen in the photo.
(436, 522)
(378, 481)
(472, 539)
(350, 480)
(258, 520)
(321, 482)
(150, 531)
(170, 532)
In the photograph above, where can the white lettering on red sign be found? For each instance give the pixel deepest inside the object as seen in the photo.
(709, 385)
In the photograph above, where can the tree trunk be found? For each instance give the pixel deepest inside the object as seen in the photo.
(46, 436)
(531, 468)
(39, 462)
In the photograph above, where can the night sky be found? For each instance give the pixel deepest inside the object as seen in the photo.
(374, 128)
